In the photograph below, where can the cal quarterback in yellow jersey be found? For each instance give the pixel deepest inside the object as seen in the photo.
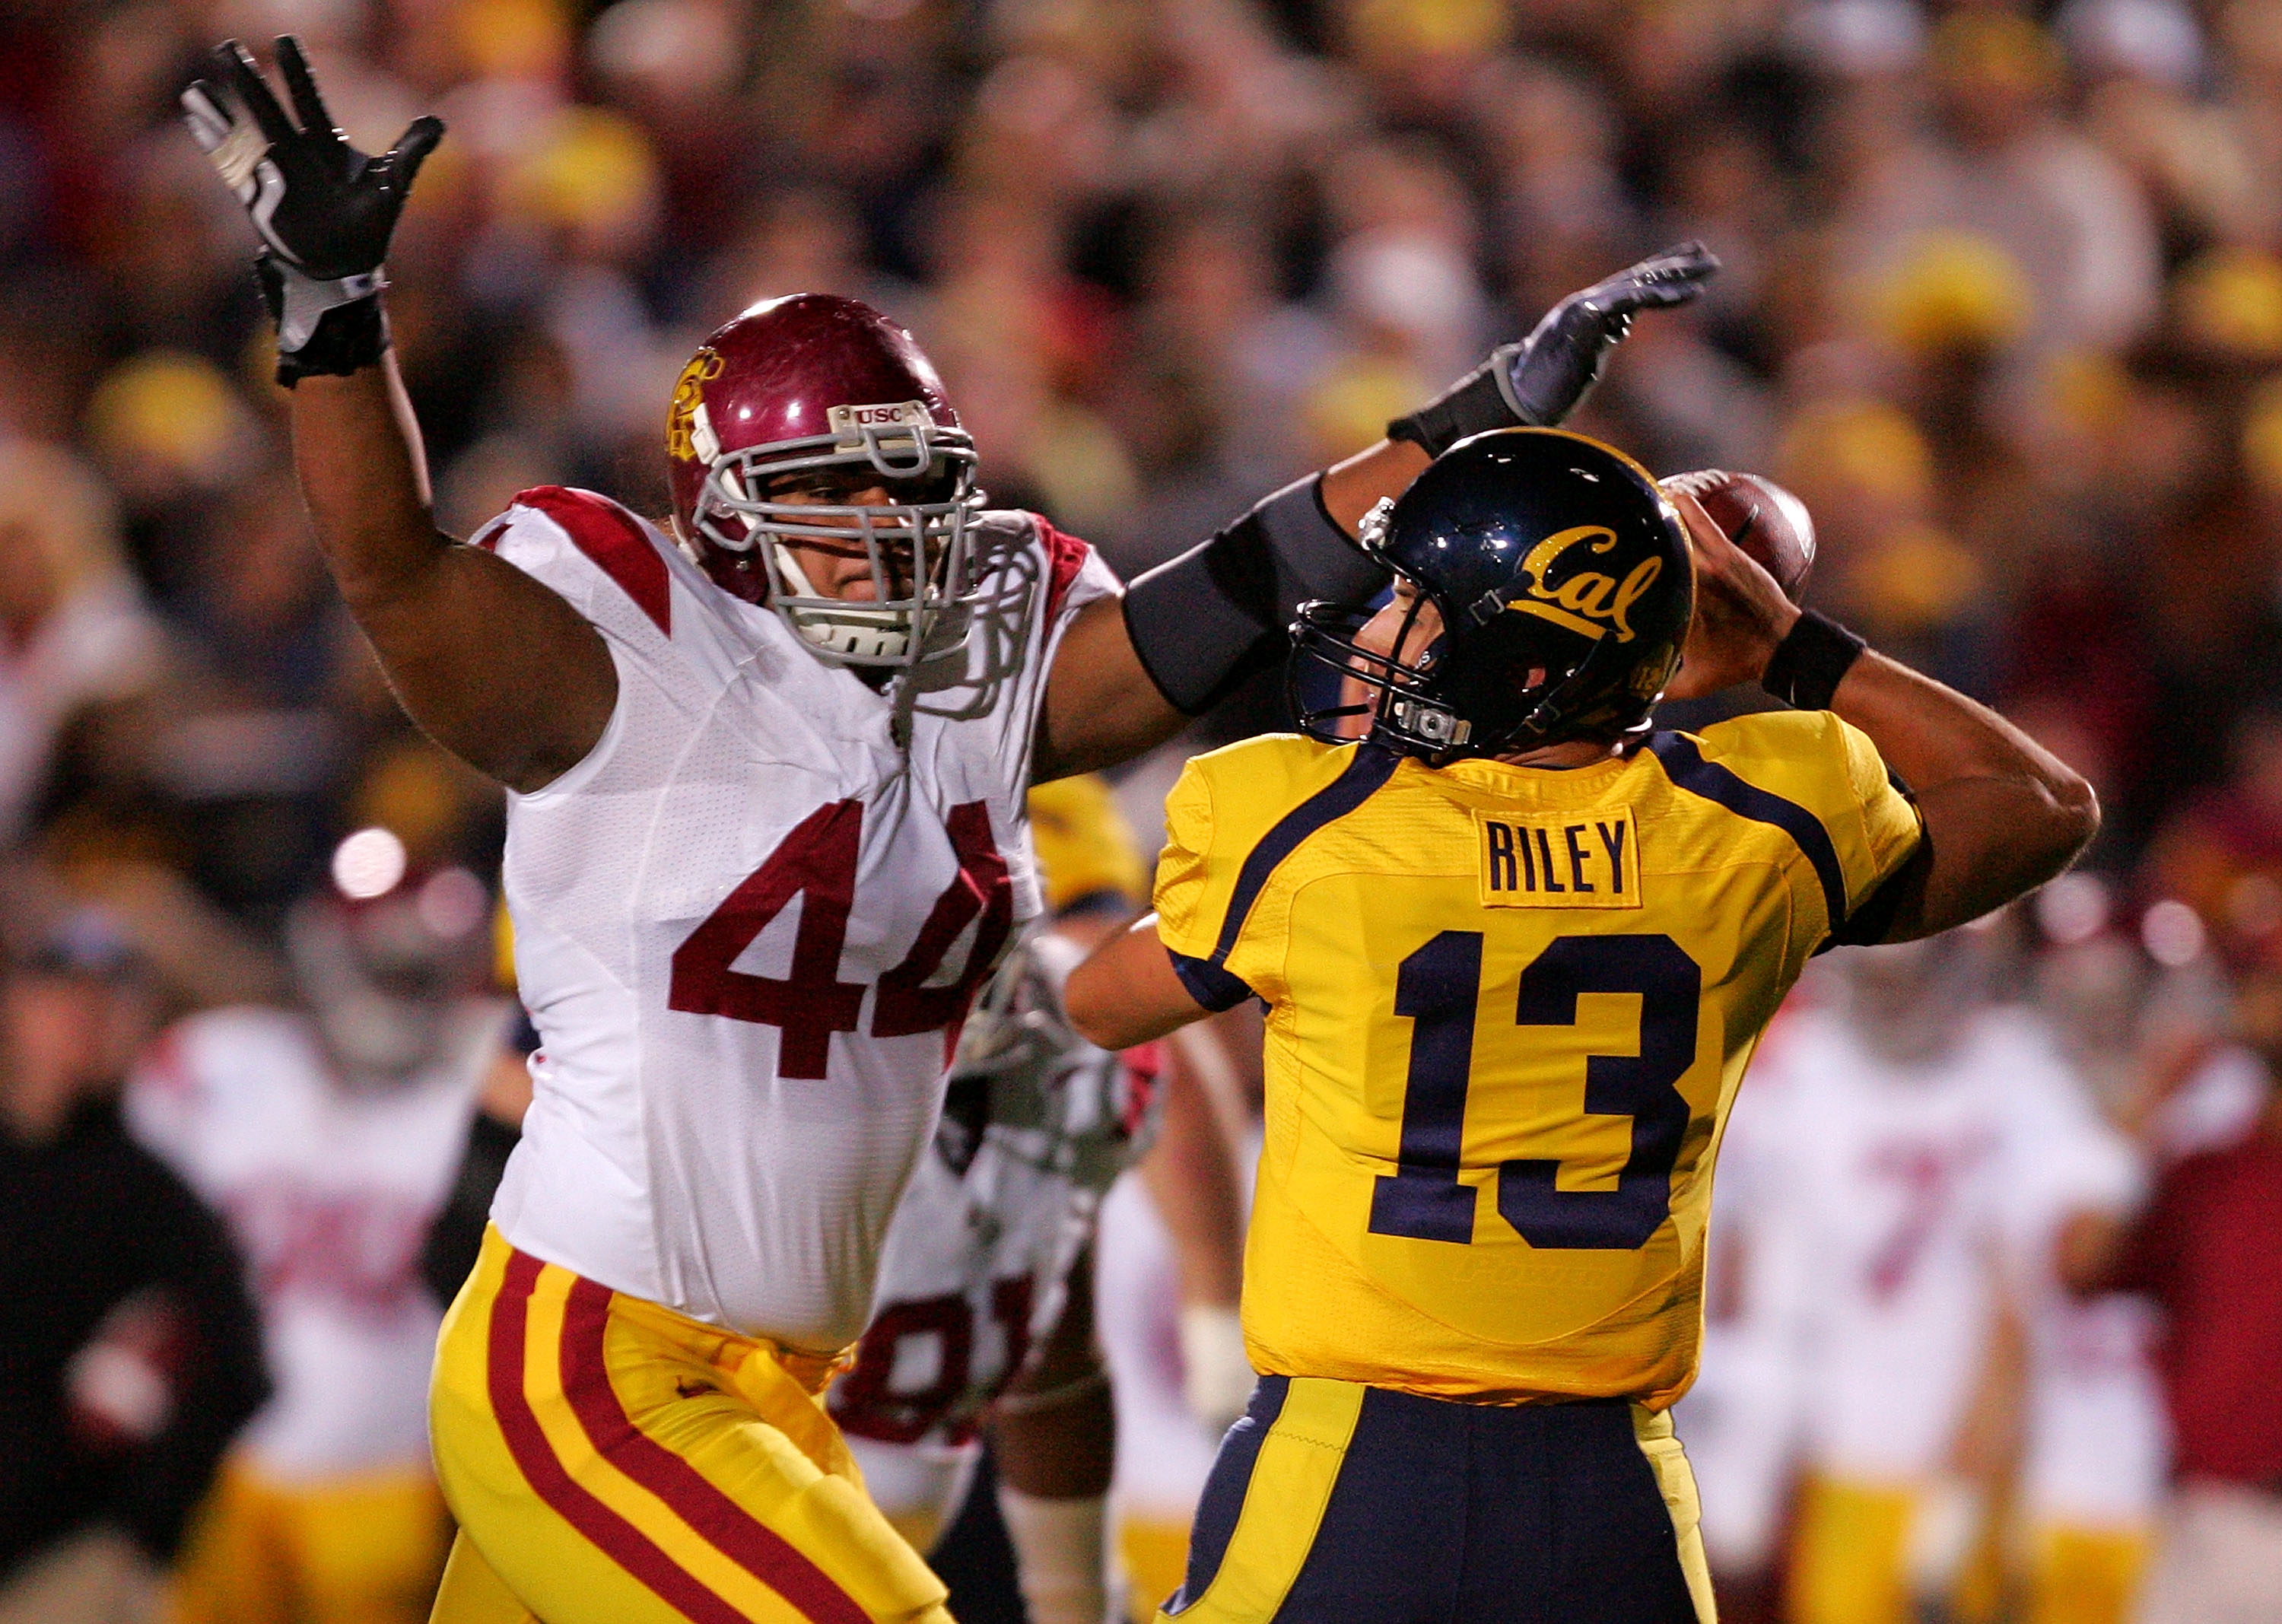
(1516, 947)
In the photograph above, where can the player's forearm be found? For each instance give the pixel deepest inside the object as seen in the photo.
(1190, 1175)
(2003, 814)
(1126, 991)
(356, 447)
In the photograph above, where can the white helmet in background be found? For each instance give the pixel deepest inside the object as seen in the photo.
(382, 955)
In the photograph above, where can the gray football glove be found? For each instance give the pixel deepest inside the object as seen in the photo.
(1541, 380)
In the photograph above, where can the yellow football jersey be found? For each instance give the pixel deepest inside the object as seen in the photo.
(1508, 1010)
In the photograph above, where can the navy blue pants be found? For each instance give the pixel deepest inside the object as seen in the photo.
(1337, 1504)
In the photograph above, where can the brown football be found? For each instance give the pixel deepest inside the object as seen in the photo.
(1766, 521)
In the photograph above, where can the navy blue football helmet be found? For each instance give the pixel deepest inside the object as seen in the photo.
(1565, 584)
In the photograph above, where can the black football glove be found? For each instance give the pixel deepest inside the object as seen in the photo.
(1541, 380)
(324, 210)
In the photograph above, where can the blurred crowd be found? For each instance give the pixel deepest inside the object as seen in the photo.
(2002, 301)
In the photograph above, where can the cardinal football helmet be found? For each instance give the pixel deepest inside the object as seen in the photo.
(1565, 584)
(827, 388)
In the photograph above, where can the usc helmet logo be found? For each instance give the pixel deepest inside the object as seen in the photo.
(1588, 602)
(686, 422)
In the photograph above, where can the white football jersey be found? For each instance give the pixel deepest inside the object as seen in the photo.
(976, 1270)
(329, 1190)
(1890, 1177)
(2096, 1447)
(746, 923)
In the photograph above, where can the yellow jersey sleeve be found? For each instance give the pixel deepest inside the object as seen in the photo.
(1189, 882)
(1892, 827)
(1230, 819)
(1858, 828)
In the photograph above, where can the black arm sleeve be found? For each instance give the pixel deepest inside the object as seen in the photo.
(1205, 621)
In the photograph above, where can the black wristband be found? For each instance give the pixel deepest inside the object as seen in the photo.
(1475, 404)
(349, 338)
(1811, 661)
(346, 336)
(1203, 622)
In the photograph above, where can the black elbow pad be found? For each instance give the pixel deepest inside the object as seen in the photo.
(1203, 622)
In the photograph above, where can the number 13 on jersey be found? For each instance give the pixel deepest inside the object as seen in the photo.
(1438, 988)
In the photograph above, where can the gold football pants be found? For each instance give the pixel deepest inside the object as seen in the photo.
(611, 1462)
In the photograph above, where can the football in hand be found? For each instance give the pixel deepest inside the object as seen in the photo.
(1769, 523)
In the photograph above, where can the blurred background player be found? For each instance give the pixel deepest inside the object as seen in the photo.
(1924, 1144)
(1897, 1102)
(2202, 1248)
(2057, 1417)
(129, 1352)
(328, 1131)
(2094, 1450)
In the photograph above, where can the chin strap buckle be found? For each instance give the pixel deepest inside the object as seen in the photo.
(1431, 723)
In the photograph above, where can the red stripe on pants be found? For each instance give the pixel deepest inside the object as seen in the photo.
(752, 1545)
(610, 1532)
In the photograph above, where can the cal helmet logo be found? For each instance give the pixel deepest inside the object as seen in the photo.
(851, 423)
(1587, 601)
(688, 430)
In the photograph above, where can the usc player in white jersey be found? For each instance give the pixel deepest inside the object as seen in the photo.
(2091, 1472)
(1904, 1112)
(765, 838)
(327, 1136)
(2092, 1476)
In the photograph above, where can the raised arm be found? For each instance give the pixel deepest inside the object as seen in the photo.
(1131, 673)
(495, 667)
(2002, 814)
(1208, 628)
